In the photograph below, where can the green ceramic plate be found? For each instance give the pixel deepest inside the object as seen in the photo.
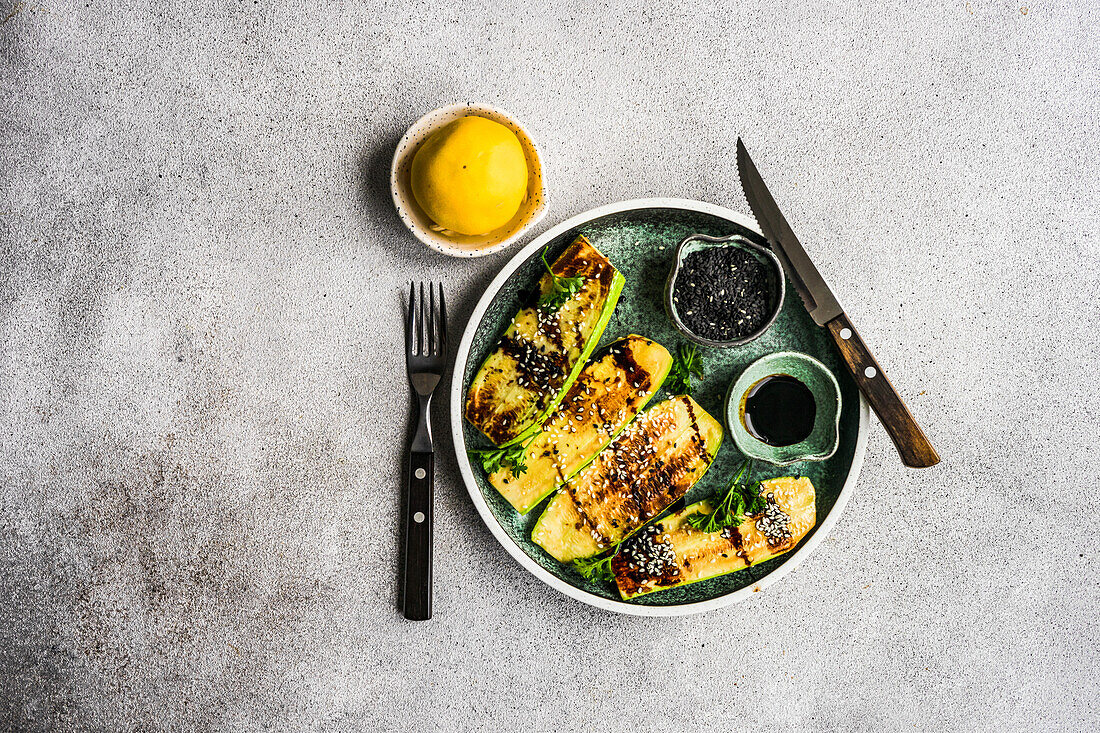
(640, 238)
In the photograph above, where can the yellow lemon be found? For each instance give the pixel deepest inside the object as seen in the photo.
(470, 176)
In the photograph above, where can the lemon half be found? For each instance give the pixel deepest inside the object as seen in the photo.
(470, 176)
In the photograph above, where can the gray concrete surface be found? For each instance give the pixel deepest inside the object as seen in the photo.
(203, 404)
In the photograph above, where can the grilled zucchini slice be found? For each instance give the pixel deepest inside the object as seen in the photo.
(542, 351)
(607, 395)
(652, 463)
(671, 553)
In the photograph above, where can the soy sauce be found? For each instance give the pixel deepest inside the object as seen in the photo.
(779, 410)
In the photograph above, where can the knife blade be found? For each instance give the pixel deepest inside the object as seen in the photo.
(808, 283)
(913, 445)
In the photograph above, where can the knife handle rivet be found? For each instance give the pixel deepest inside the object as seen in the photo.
(870, 372)
(420, 473)
(419, 517)
(846, 333)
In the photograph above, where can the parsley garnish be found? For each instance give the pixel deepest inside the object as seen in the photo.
(596, 568)
(688, 363)
(561, 288)
(741, 500)
(512, 457)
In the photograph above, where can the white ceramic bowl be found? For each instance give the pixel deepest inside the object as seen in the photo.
(530, 211)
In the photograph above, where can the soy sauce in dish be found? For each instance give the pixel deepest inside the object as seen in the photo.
(779, 410)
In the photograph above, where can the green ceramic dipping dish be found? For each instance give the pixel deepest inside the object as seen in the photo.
(777, 286)
(825, 436)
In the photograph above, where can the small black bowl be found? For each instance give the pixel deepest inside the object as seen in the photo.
(776, 283)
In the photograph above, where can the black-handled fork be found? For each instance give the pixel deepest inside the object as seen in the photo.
(425, 359)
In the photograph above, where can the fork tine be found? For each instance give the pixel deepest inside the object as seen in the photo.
(410, 322)
(442, 323)
(433, 342)
(423, 330)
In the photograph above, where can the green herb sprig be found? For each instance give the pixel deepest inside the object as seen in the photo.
(687, 363)
(513, 457)
(561, 288)
(596, 568)
(741, 500)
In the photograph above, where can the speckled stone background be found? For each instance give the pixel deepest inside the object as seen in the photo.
(204, 407)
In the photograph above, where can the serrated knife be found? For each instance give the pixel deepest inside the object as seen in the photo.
(910, 440)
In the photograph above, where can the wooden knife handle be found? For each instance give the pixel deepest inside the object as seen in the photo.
(909, 439)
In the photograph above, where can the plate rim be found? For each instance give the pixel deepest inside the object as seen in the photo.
(462, 355)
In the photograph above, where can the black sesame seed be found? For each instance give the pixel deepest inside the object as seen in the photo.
(742, 286)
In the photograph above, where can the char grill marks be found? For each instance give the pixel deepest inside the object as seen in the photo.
(584, 260)
(539, 372)
(536, 369)
(649, 560)
(639, 378)
(609, 409)
(541, 348)
(665, 484)
(646, 558)
(697, 435)
(550, 328)
(631, 482)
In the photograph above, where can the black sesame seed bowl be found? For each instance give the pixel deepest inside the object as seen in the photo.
(723, 291)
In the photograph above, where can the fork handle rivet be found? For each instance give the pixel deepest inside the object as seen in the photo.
(418, 517)
(420, 473)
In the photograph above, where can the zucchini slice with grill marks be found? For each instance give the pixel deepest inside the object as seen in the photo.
(543, 350)
(671, 553)
(610, 391)
(652, 463)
